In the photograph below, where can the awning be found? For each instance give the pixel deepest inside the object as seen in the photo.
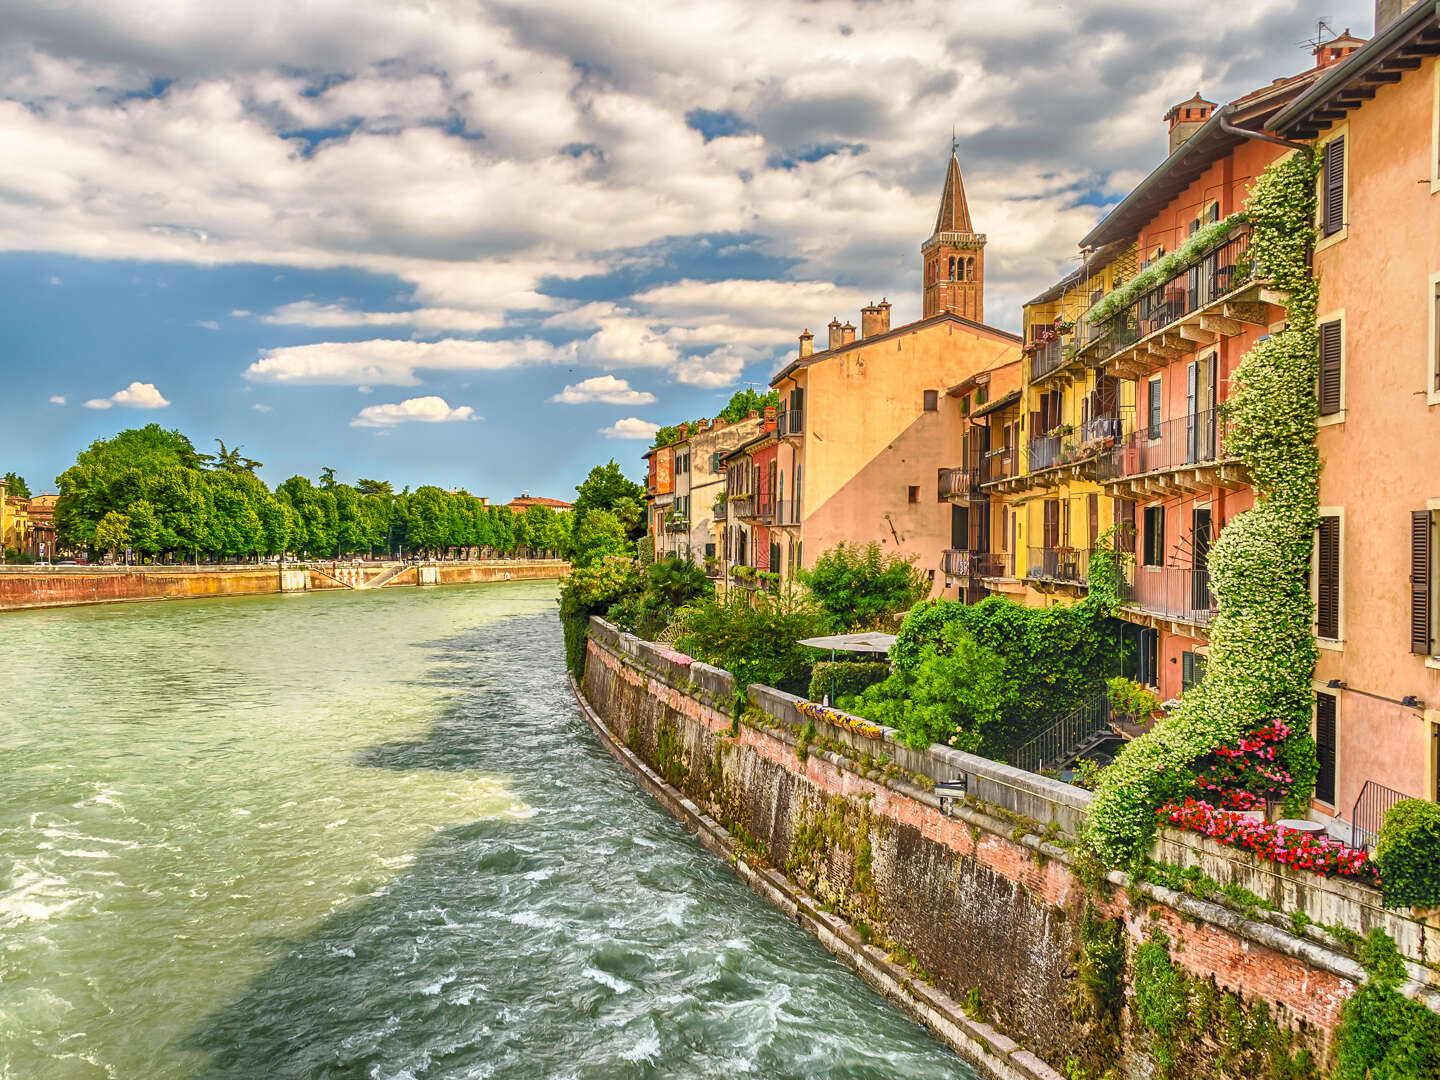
(869, 642)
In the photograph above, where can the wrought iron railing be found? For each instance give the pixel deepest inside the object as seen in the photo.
(1171, 591)
(1068, 564)
(1000, 464)
(962, 481)
(791, 422)
(955, 563)
(1045, 452)
(1195, 439)
(1047, 358)
(785, 512)
(722, 511)
(1058, 744)
(992, 564)
(1369, 813)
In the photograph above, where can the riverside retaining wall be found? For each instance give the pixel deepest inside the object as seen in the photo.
(977, 917)
(60, 586)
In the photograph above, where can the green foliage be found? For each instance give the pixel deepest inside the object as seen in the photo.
(1160, 998)
(668, 584)
(845, 678)
(1262, 647)
(743, 402)
(862, 589)
(1408, 854)
(1383, 1035)
(607, 488)
(598, 534)
(15, 485)
(1164, 267)
(755, 638)
(1101, 968)
(592, 590)
(1088, 774)
(113, 532)
(1129, 700)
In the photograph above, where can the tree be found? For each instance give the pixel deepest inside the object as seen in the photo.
(373, 487)
(113, 532)
(604, 487)
(327, 478)
(756, 639)
(598, 534)
(746, 401)
(862, 589)
(15, 485)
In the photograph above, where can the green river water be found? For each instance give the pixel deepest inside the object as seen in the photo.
(369, 835)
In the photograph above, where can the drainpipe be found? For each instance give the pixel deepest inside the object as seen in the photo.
(1245, 133)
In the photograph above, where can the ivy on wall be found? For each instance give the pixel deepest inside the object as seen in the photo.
(1262, 648)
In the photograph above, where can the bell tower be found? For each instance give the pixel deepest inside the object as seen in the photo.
(954, 255)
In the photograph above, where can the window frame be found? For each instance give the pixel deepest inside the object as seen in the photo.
(1339, 131)
(1154, 408)
(1152, 549)
(1337, 316)
(1336, 643)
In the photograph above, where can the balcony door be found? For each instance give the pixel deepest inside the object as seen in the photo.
(1200, 580)
(960, 528)
(1200, 410)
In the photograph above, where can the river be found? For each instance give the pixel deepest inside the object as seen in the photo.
(368, 835)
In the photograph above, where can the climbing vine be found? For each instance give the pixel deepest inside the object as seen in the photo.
(1163, 267)
(1262, 649)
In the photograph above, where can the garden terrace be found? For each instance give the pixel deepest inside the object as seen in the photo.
(1175, 457)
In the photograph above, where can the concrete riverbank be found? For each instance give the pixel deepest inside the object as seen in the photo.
(62, 586)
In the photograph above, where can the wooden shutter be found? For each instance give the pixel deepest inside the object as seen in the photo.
(1052, 523)
(1328, 579)
(1420, 582)
(1094, 509)
(1329, 368)
(1187, 670)
(1334, 186)
(1325, 747)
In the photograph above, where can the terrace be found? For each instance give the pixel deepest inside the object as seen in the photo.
(1173, 457)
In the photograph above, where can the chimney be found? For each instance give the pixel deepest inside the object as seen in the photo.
(834, 333)
(704, 426)
(769, 424)
(1387, 11)
(847, 333)
(875, 319)
(752, 415)
(807, 344)
(1187, 118)
(684, 431)
(1337, 49)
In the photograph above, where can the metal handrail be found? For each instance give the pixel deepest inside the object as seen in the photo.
(1369, 813)
(1057, 744)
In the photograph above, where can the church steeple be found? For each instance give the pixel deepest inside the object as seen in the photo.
(954, 255)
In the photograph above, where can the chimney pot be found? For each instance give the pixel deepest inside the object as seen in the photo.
(875, 319)
(1387, 11)
(1187, 118)
(847, 333)
(807, 343)
(834, 329)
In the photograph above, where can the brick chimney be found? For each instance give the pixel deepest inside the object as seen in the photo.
(684, 431)
(1387, 11)
(875, 319)
(769, 424)
(703, 426)
(807, 344)
(847, 333)
(1337, 49)
(834, 333)
(752, 415)
(1187, 118)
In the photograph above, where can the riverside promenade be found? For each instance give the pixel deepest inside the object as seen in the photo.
(24, 587)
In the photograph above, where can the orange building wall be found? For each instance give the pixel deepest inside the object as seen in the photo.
(1383, 459)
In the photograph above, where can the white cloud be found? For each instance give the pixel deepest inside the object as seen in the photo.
(55, 279)
(603, 388)
(138, 395)
(427, 410)
(208, 324)
(57, 399)
(630, 428)
(261, 408)
(309, 313)
(391, 362)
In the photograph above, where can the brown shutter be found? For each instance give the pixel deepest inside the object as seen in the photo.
(1334, 207)
(1094, 508)
(1329, 368)
(1328, 578)
(1420, 582)
(1325, 747)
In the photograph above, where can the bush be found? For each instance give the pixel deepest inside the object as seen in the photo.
(1383, 1035)
(861, 589)
(756, 639)
(1131, 701)
(845, 678)
(593, 590)
(1408, 854)
(669, 584)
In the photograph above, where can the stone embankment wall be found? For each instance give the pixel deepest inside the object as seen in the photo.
(34, 586)
(979, 917)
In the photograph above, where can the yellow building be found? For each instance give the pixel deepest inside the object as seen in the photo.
(1053, 509)
(14, 521)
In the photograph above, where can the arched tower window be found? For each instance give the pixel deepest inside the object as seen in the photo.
(952, 269)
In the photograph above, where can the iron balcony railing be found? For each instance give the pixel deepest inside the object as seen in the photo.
(1067, 564)
(962, 481)
(992, 564)
(1195, 439)
(791, 422)
(1045, 452)
(999, 464)
(1216, 273)
(1175, 592)
(785, 512)
(1369, 813)
(1047, 358)
(742, 506)
(955, 563)
(677, 524)
(722, 511)
(1068, 737)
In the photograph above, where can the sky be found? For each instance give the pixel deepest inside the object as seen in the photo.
(488, 244)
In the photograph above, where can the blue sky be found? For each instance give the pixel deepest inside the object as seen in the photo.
(488, 245)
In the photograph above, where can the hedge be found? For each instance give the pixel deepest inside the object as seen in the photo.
(1408, 854)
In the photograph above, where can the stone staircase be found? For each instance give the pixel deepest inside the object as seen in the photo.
(389, 574)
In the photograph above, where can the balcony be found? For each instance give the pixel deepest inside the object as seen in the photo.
(791, 424)
(961, 485)
(992, 564)
(786, 513)
(1156, 594)
(1216, 295)
(1057, 566)
(742, 507)
(722, 512)
(1046, 358)
(1173, 457)
(677, 524)
(1074, 453)
(955, 563)
(998, 466)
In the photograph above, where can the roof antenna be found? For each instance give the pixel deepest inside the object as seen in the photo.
(1323, 32)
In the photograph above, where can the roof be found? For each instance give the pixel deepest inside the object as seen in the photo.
(1397, 48)
(1209, 144)
(908, 328)
(979, 378)
(1097, 261)
(536, 500)
(752, 444)
(996, 405)
(954, 215)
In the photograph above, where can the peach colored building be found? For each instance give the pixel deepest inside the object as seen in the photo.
(1374, 121)
(861, 429)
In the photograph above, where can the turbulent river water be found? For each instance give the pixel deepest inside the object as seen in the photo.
(368, 835)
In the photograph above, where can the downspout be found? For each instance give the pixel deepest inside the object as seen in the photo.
(1245, 133)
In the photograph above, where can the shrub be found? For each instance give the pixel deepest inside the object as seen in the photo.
(669, 584)
(755, 639)
(862, 589)
(1383, 1035)
(1408, 854)
(593, 590)
(1131, 701)
(845, 678)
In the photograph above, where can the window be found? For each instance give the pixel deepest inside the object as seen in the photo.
(1192, 669)
(982, 395)
(914, 494)
(932, 400)
(1326, 731)
(1153, 407)
(965, 405)
(1422, 582)
(1435, 333)
(952, 269)
(1331, 348)
(1327, 578)
(1154, 536)
(1124, 515)
(710, 550)
(1332, 187)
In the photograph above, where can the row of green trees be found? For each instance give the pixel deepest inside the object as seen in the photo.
(150, 490)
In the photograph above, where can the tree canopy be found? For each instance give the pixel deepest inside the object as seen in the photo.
(15, 485)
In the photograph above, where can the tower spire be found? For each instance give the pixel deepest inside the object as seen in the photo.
(954, 213)
(954, 255)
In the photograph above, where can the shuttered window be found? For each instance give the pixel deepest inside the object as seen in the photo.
(1333, 187)
(1435, 335)
(1154, 536)
(1330, 350)
(1327, 575)
(1153, 404)
(1325, 740)
(1420, 584)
